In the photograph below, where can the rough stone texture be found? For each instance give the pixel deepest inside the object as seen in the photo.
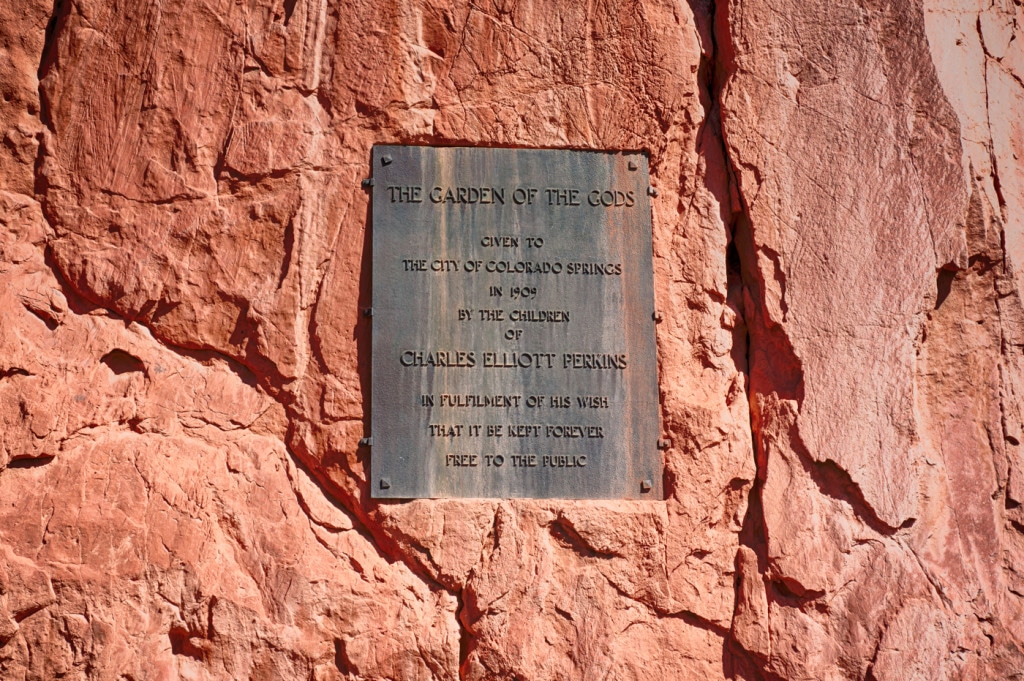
(154, 525)
(839, 262)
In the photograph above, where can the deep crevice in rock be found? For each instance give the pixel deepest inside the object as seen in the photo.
(715, 68)
(61, 10)
(467, 642)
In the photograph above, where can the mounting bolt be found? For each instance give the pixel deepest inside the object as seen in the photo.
(386, 160)
(652, 191)
(656, 316)
(633, 165)
(368, 183)
(367, 311)
(366, 442)
(646, 486)
(664, 444)
(385, 483)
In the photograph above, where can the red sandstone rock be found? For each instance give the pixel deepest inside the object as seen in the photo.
(184, 367)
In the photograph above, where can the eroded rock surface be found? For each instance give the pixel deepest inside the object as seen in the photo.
(838, 238)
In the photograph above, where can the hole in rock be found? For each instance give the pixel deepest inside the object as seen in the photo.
(33, 462)
(289, 9)
(341, 660)
(120, 362)
(435, 34)
(181, 644)
(366, 109)
(944, 284)
(51, 322)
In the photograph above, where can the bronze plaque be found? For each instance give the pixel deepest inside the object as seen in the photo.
(513, 331)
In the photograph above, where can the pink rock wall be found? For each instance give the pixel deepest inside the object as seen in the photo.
(839, 248)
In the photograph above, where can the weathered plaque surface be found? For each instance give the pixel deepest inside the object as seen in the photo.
(513, 330)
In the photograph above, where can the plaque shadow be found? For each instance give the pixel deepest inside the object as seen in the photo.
(362, 334)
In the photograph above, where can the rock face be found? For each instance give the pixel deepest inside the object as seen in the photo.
(839, 262)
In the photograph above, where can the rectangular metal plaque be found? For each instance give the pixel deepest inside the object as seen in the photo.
(513, 331)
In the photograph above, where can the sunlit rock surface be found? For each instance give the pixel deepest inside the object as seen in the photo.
(839, 260)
